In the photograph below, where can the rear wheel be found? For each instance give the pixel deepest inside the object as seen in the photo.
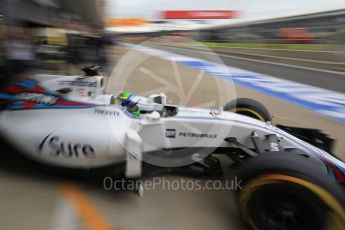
(248, 107)
(283, 191)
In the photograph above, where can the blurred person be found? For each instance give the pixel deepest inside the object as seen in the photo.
(74, 58)
(3, 75)
(50, 48)
(102, 44)
(20, 53)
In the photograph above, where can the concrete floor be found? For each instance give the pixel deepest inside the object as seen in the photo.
(30, 199)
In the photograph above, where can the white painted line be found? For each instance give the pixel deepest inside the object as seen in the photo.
(65, 216)
(266, 62)
(290, 58)
(275, 49)
(260, 55)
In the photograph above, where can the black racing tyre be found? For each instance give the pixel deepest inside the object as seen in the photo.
(248, 107)
(286, 191)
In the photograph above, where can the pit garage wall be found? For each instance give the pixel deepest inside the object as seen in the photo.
(87, 12)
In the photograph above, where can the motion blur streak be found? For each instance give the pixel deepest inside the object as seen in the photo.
(90, 215)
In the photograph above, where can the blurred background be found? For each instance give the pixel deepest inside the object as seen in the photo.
(59, 36)
(302, 41)
(53, 36)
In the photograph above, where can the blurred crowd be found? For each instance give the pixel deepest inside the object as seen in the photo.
(26, 51)
(317, 28)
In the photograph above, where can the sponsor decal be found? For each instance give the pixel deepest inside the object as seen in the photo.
(199, 14)
(170, 133)
(214, 112)
(28, 94)
(197, 135)
(78, 83)
(103, 111)
(82, 92)
(113, 22)
(55, 146)
(37, 98)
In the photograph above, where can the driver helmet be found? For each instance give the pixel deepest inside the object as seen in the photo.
(134, 110)
(125, 98)
(130, 101)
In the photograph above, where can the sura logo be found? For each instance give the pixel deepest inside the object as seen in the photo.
(56, 147)
(37, 97)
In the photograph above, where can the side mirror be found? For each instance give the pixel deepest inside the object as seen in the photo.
(158, 98)
(91, 71)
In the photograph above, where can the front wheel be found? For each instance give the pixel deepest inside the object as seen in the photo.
(283, 191)
(249, 108)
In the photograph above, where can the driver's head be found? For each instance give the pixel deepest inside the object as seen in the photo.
(129, 101)
(134, 110)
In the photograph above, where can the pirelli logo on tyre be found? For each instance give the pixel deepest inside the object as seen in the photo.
(170, 133)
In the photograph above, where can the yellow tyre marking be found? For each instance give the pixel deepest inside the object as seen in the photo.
(276, 178)
(258, 115)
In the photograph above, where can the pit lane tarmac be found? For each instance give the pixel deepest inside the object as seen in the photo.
(31, 198)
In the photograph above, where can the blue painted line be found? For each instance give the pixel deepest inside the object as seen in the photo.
(330, 103)
(318, 100)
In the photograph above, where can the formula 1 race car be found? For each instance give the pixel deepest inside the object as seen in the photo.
(289, 177)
